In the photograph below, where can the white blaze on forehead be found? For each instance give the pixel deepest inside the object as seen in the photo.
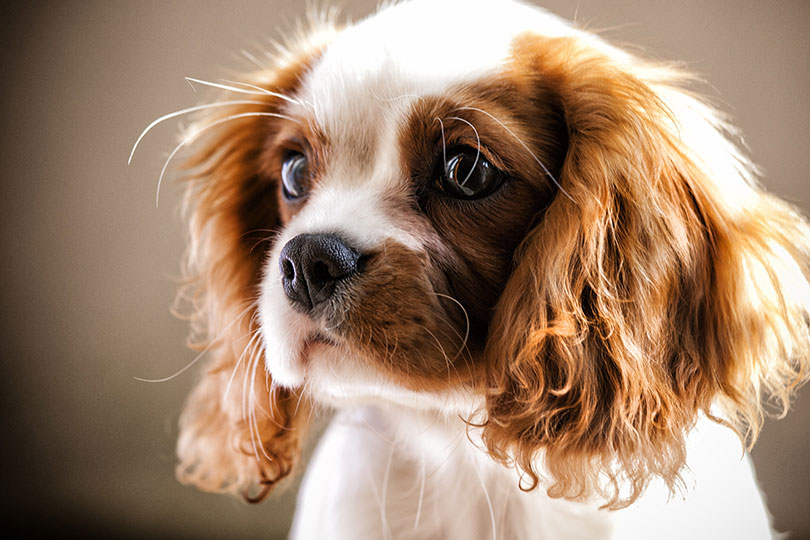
(371, 73)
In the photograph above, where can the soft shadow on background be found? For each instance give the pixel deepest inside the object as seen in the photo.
(89, 263)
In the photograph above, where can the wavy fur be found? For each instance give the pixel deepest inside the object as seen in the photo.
(666, 290)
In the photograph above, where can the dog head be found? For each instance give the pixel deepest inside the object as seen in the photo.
(474, 204)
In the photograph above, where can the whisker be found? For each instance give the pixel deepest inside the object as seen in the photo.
(254, 369)
(524, 145)
(390, 352)
(196, 133)
(262, 91)
(271, 397)
(187, 111)
(256, 335)
(444, 142)
(248, 391)
(300, 395)
(254, 90)
(260, 242)
(312, 407)
(251, 231)
(447, 360)
(249, 400)
(200, 355)
(467, 324)
(271, 409)
(477, 150)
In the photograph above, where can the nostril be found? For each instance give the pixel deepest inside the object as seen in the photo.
(320, 272)
(287, 268)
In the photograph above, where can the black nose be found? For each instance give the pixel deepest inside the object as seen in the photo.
(312, 264)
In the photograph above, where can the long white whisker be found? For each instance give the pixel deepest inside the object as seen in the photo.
(253, 426)
(254, 370)
(247, 398)
(444, 142)
(466, 317)
(444, 354)
(187, 111)
(271, 397)
(256, 335)
(196, 133)
(271, 407)
(477, 149)
(200, 355)
(300, 396)
(524, 145)
(262, 91)
(255, 91)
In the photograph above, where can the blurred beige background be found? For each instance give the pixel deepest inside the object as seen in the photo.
(88, 262)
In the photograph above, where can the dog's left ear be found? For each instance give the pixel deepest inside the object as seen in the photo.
(662, 284)
(239, 433)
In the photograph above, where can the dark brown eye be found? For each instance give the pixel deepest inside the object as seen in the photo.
(468, 175)
(294, 175)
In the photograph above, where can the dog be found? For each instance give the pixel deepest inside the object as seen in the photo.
(533, 273)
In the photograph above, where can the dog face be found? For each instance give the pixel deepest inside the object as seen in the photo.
(455, 205)
(406, 183)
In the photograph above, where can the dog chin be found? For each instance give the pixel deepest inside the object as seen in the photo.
(297, 352)
(305, 359)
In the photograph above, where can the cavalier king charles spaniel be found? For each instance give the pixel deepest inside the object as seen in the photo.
(531, 272)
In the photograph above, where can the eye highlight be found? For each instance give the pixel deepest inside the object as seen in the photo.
(294, 175)
(467, 174)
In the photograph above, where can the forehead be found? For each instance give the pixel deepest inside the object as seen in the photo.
(371, 74)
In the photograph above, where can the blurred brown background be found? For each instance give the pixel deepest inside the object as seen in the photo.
(89, 263)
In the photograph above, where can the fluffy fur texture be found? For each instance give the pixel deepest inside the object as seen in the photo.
(628, 281)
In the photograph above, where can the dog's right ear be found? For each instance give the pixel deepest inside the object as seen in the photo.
(666, 286)
(239, 433)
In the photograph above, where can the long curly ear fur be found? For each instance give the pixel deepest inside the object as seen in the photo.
(668, 285)
(238, 433)
(234, 435)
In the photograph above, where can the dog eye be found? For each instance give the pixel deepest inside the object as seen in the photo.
(294, 174)
(468, 175)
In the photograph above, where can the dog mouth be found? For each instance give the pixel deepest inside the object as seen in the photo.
(314, 341)
(319, 338)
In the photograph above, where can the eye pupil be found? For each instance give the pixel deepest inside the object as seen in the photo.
(294, 174)
(468, 175)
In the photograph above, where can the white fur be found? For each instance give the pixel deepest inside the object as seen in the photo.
(401, 466)
(384, 472)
